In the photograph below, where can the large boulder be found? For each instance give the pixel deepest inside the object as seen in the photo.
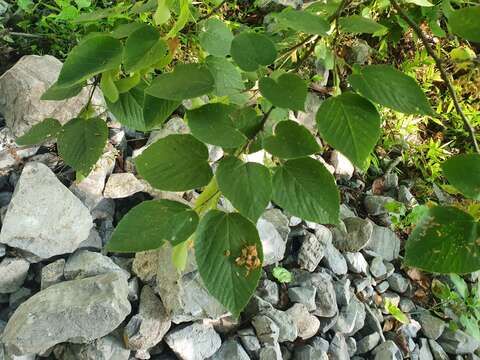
(44, 218)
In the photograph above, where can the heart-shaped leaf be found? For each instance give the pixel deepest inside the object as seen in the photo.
(212, 124)
(248, 186)
(228, 79)
(252, 50)
(229, 257)
(306, 189)
(291, 140)
(148, 225)
(143, 48)
(463, 172)
(91, 57)
(357, 24)
(304, 21)
(465, 23)
(351, 124)
(175, 163)
(38, 133)
(444, 241)
(288, 91)
(57, 93)
(81, 143)
(216, 38)
(185, 82)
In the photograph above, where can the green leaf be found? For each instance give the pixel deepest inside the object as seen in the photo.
(212, 124)
(127, 83)
(57, 93)
(223, 241)
(81, 143)
(128, 109)
(248, 186)
(291, 140)
(251, 50)
(304, 21)
(125, 30)
(108, 87)
(143, 49)
(91, 57)
(282, 275)
(38, 133)
(288, 91)
(247, 121)
(444, 241)
(180, 255)
(306, 189)
(162, 13)
(216, 38)
(156, 111)
(460, 285)
(465, 23)
(393, 310)
(357, 24)
(185, 82)
(463, 172)
(228, 79)
(95, 15)
(351, 124)
(385, 85)
(420, 2)
(175, 163)
(148, 225)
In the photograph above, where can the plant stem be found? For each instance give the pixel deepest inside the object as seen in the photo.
(441, 69)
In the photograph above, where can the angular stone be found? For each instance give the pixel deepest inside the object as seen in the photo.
(356, 262)
(230, 350)
(52, 273)
(270, 352)
(458, 342)
(303, 295)
(342, 291)
(384, 242)
(122, 185)
(343, 167)
(273, 230)
(432, 326)
(338, 349)
(77, 311)
(308, 352)
(194, 342)
(424, 351)
(437, 351)
(313, 248)
(249, 340)
(84, 263)
(268, 291)
(287, 326)
(307, 324)
(105, 348)
(334, 260)
(11, 154)
(44, 218)
(266, 329)
(378, 268)
(357, 236)
(325, 300)
(398, 283)
(375, 204)
(13, 272)
(367, 343)
(387, 350)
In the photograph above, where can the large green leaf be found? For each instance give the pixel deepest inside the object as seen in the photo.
(143, 48)
(149, 224)
(351, 124)
(248, 186)
(175, 163)
(359, 24)
(216, 38)
(466, 23)
(385, 85)
(304, 21)
(91, 57)
(156, 111)
(212, 124)
(228, 79)
(185, 82)
(248, 121)
(222, 242)
(445, 241)
(289, 91)
(306, 189)
(38, 133)
(463, 172)
(81, 143)
(57, 93)
(291, 140)
(252, 50)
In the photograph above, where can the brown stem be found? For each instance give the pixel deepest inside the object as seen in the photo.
(441, 69)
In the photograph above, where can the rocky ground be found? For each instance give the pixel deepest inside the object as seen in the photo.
(62, 297)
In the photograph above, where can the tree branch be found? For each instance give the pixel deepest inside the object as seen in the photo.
(441, 69)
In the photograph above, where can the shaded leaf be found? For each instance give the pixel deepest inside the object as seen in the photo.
(216, 38)
(466, 23)
(463, 172)
(252, 50)
(38, 133)
(288, 91)
(57, 93)
(143, 49)
(228, 79)
(304, 21)
(360, 25)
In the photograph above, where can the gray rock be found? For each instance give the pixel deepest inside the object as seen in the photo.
(287, 326)
(308, 352)
(390, 181)
(194, 342)
(437, 351)
(320, 344)
(375, 204)
(425, 353)
(406, 197)
(360, 318)
(398, 283)
(306, 323)
(249, 340)
(270, 352)
(266, 329)
(273, 230)
(268, 291)
(149, 326)
(11, 154)
(326, 299)
(394, 298)
(13, 274)
(230, 350)
(19, 297)
(345, 212)
(313, 248)
(122, 185)
(105, 348)
(77, 311)
(84, 263)
(373, 320)
(406, 305)
(367, 343)
(458, 342)
(352, 346)
(307, 118)
(410, 329)
(432, 326)
(303, 295)
(21, 88)
(378, 268)
(342, 291)
(382, 287)
(360, 51)
(3, 250)
(387, 351)
(44, 234)
(52, 273)
(347, 317)
(334, 260)
(384, 242)
(343, 167)
(359, 232)
(338, 349)
(356, 262)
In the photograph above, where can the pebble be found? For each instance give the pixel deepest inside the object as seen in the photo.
(378, 268)
(458, 342)
(308, 352)
(432, 326)
(270, 352)
(375, 204)
(303, 295)
(230, 350)
(306, 323)
(424, 350)
(273, 230)
(398, 283)
(387, 351)
(13, 274)
(334, 260)
(338, 349)
(384, 242)
(313, 249)
(343, 293)
(268, 291)
(367, 343)
(437, 350)
(249, 340)
(122, 185)
(266, 329)
(356, 262)
(357, 235)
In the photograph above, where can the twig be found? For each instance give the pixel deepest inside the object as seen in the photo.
(441, 69)
(14, 33)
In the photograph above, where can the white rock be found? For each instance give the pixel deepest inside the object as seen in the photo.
(44, 218)
(122, 185)
(105, 348)
(13, 272)
(343, 167)
(313, 249)
(273, 230)
(10, 153)
(77, 311)
(52, 273)
(21, 88)
(307, 323)
(84, 263)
